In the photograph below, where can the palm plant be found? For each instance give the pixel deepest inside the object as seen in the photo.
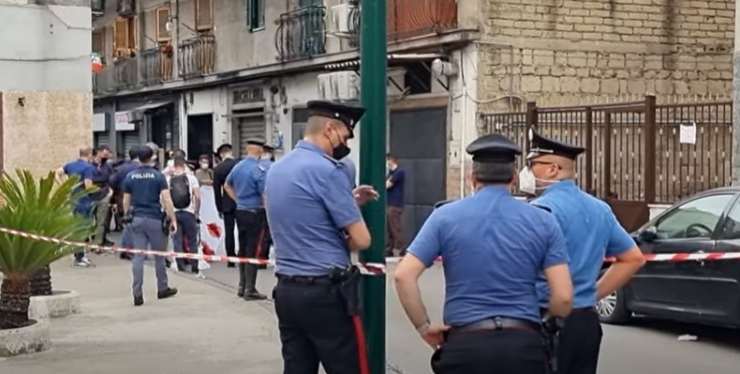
(39, 206)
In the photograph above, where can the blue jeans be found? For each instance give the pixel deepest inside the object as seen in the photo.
(186, 238)
(146, 233)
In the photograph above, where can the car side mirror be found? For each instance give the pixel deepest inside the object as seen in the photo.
(648, 235)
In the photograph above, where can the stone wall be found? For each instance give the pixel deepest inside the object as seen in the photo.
(43, 130)
(564, 52)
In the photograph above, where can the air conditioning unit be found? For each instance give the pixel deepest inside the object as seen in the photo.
(345, 19)
(340, 85)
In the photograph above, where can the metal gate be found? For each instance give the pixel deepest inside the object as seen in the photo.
(634, 155)
(418, 139)
(249, 127)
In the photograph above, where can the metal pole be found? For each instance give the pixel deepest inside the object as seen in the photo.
(372, 170)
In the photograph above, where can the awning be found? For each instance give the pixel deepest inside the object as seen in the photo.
(152, 105)
(392, 57)
(125, 121)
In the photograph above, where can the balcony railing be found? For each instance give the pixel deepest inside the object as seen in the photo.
(409, 18)
(197, 56)
(126, 73)
(157, 65)
(301, 33)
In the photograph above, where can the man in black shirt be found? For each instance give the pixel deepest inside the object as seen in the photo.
(224, 204)
(102, 198)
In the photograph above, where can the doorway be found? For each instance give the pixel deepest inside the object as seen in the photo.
(200, 135)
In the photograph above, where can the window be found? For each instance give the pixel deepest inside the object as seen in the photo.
(98, 42)
(256, 14)
(124, 31)
(695, 219)
(163, 17)
(731, 228)
(203, 15)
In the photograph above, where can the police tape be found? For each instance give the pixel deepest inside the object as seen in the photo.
(686, 256)
(369, 268)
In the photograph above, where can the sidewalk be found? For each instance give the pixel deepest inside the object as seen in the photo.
(203, 330)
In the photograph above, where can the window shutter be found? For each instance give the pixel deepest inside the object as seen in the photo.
(163, 16)
(120, 30)
(203, 14)
(98, 46)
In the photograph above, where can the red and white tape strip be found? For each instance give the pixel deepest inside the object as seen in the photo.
(370, 268)
(684, 256)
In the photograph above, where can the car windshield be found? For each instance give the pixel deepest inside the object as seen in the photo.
(697, 218)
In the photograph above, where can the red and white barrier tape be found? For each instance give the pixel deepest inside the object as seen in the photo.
(683, 257)
(370, 268)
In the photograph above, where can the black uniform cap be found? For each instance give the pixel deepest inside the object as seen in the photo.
(348, 114)
(493, 148)
(256, 141)
(541, 146)
(268, 147)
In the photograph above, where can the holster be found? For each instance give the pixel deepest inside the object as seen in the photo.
(166, 224)
(347, 282)
(551, 332)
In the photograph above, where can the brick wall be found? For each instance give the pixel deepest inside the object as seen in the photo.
(564, 52)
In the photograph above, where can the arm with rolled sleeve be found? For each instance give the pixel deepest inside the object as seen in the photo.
(629, 259)
(555, 265)
(427, 244)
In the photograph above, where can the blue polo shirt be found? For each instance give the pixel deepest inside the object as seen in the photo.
(82, 170)
(247, 179)
(309, 203)
(145, 185)
(494, 249)
(591, 232)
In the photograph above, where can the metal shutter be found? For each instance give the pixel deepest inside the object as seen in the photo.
(129, 139)
(249, 128)
(102, 138)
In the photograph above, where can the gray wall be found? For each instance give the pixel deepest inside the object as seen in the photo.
(45, 47)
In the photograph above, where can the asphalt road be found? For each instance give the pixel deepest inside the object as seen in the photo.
(645, 346)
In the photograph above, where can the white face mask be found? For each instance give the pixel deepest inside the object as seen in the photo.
(528, 182)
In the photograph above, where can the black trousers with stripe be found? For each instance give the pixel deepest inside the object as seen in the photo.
(315, 328)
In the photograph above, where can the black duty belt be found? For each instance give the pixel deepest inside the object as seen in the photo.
(498, 324)
(306, 280)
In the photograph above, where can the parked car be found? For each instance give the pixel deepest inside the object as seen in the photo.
(696, 291)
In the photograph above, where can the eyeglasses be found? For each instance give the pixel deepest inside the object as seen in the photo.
(532, 163)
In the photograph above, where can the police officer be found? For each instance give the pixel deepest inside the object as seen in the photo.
(245, 185)
(316, 223)
(265, 238)
(224, 204)
(591, 232)
(143, 189)
(494, 248)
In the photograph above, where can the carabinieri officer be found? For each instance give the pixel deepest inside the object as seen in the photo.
(316, 223)
(245, 185)
(494, 248)
(591, 232)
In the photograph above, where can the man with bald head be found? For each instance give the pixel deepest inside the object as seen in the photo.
(592, 233)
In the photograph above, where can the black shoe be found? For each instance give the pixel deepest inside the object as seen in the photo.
(254, 295)
(108, 243)
(125, 256)
(138, 300)
(240, 292)
(169, 292)
(230, 265)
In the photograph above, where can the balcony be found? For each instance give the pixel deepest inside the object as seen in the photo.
(126, 73)
(197, 56)
(301, 33)
(156, 65)
(409, 18)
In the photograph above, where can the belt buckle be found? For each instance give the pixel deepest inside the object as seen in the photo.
(499, 323)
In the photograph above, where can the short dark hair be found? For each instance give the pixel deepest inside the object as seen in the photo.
(133, 152)
(180, 162)
(493, 172)
(104, 147)
(226, 147)
(204, 157)
(145, 154)
(179, 153)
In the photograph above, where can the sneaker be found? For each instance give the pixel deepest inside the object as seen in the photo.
(254, 295)
(83, 263)
(230, 265)
(86, 260)
(169, 292)
(138, 300)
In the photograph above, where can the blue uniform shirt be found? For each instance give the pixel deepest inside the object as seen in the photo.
(145, 185)
(591, 232)
(82, 170)
(309, 203)
(248, 181)
(494, 249)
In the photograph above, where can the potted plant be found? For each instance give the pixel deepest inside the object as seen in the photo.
(38, 206)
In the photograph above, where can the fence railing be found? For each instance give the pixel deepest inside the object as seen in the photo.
(126, 73)
(157, 65)
(634, 150)
(197, 56)
(408, 18)
(301, 33)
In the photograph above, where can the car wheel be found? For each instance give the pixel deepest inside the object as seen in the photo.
(612, 309)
